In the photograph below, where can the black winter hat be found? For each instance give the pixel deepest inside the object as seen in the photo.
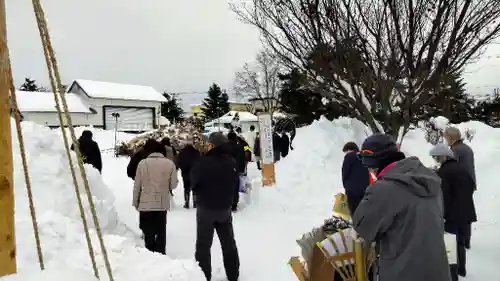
(379, 150)
(217, 138)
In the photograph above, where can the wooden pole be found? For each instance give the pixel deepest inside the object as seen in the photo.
(7, 234)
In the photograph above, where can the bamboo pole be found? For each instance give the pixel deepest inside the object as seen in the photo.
(7, 234)
(360, 263)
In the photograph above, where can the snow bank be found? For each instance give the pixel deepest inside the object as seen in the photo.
(308, 178)
(51, 275)
(59, 220)
(313, 167)
(104, 138)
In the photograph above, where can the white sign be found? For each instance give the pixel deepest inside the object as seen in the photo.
(266, 138)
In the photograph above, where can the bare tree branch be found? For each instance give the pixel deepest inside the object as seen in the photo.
(259, 81)
(383, 58)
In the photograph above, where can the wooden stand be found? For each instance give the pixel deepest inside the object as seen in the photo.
(321, 270)
(324, 267)
(7, 234)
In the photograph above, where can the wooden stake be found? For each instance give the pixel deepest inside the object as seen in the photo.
(7, 233)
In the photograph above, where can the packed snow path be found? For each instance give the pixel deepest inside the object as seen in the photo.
(265, 231)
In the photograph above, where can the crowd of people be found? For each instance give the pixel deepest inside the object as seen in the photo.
(406, 207)
(409, 232)
(213, 179)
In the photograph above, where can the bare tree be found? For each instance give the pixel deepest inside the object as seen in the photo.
(382, 58)
(259, 81)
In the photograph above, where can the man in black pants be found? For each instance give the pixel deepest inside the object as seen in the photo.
(185, 160)
(214, 181)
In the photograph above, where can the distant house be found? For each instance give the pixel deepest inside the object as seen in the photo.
(138, 107)
(40, 108)
(264, 104)
(196, 109)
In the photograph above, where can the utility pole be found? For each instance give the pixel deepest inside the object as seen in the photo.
(7, 233)
(116, 115)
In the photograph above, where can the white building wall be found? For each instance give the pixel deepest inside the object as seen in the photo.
(52, 118)
(97, 104)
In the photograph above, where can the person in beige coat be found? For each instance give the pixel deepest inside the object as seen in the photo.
(156, 177)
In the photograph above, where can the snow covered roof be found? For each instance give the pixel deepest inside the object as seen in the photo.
(44, 102)
(228, 118)
(244, 116)
(231, 102)
(108, 90)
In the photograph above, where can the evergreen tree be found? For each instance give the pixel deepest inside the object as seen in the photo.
(171, 109)
(29, 85)
(305, 105)
(452, 101)
(488, 110)
(216, 103)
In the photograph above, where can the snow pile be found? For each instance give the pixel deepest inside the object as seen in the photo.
(308, 178)
(440, 122)
(313, 167)
(59, 220)
(51, 275)
(104, 138)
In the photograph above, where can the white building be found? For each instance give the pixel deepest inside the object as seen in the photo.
(93, 103)
(138, 106)
(40, 108)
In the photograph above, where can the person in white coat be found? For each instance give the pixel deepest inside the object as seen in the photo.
(249, 137)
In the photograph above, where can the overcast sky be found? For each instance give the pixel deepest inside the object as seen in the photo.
(178, 46)
(172, 45)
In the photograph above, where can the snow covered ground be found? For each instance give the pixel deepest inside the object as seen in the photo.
(265, 230)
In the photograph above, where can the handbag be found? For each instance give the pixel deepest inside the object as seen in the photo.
(450, 242)
(243, 180)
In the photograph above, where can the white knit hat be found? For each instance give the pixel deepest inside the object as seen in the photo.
(441, 149)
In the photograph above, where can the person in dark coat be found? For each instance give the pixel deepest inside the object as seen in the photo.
(246, 148)
(89, 150)
(143, 153)
(237, 151)
(170, 151)
(277, 146)
(465, 157)
(285, 144)
(355, 176)
(402, 212)
(215, 181)
(459, 209)
(186, 159)
(256, 151)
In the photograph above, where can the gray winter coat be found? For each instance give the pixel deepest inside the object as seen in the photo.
(403, 212)
(465, 157)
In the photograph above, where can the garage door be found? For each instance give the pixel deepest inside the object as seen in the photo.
(131, 119)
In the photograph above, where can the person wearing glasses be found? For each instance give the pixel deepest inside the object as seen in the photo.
(402, 212)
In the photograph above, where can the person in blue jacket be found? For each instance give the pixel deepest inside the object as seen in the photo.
(355, 176)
